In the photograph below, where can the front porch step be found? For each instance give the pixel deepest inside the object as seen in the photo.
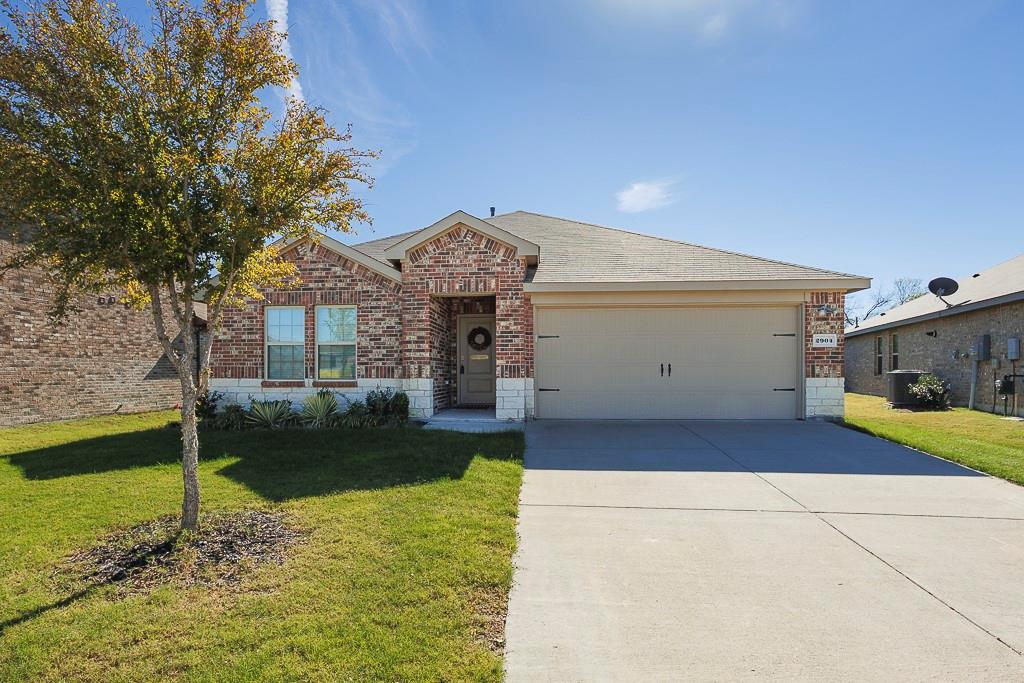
(472, 420)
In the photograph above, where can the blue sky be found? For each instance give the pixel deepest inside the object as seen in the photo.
(880, 138)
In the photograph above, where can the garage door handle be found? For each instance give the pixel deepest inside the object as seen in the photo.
(662, 369)
(791, 389)
(669, 369)
(542, 389)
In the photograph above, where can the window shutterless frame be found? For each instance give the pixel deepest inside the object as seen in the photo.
(284, 338)
(879, 356)
(894, 351)
(336, 329)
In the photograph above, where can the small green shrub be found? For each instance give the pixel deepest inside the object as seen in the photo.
(377, 402)
(270, 414)
(398, 410)
(320, 410)
(206, 404)
(356, 415)
(386, 407)
(232, 419)
(930, 392)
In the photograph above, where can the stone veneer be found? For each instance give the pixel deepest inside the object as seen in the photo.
(824, 384)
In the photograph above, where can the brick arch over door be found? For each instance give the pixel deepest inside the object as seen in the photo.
(463, 262)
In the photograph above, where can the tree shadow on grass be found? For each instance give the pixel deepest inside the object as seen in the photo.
(285, 464)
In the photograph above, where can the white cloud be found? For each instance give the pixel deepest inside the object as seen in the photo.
(706, 21)
(277, 10)
(401, 24)
(646, 195)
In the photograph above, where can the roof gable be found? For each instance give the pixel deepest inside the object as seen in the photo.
(524, 248)
(348, 252)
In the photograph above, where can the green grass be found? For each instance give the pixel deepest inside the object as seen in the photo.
(970, 437)
(411, 538)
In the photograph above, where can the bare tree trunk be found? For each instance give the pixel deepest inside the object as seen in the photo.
(189, 423)
(183, 360)
(189, 458)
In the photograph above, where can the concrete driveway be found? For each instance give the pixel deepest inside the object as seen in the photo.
(751, 550)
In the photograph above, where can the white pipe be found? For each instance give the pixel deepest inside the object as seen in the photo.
(974, 383)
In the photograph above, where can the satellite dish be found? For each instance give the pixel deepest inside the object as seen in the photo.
(943, 286)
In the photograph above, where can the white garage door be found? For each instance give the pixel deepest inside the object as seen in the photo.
(667, 363)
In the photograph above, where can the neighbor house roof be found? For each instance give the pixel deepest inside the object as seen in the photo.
(580, 255)
(1000, 284)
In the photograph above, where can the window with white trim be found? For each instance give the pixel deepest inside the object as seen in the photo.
(284, 342)
(878, 356)
(894, 351)
(336, 342)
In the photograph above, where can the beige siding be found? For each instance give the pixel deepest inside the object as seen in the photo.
(726, 362)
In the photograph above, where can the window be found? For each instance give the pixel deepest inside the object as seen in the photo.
(878, 356)
(336, 342)
(284, 341)
(894, 352)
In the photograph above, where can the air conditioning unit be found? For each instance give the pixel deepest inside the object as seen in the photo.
(898, 393)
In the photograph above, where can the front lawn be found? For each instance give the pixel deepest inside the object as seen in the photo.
(970, 437)
(404, 574)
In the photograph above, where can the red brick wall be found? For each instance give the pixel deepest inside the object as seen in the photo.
(464, 262)
(326, 278)
(824, 362)
(105, 358)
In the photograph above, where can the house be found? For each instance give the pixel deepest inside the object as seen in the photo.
(927, 334)
(104, 359)
(545, 317)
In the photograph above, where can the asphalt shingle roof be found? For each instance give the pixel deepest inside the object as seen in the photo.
(571, 251)
(992, 285)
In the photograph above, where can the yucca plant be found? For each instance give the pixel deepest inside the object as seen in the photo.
(270, 414)
(320, 410)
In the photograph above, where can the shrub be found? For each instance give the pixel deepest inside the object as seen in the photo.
(356, 415)
(387, 407)
(270, 414)
(206, 404)
(232, 418)
(930, 392)
(377, 402)
(320, 410)
(398, 410)
(381, 407)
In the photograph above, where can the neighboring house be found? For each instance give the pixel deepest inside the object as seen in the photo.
(925, 334)
(104, 359)
(545, 317)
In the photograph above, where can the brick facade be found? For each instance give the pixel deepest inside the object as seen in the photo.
(406, 332)
(823, 366)
(327, 278)
(945, 354)
(104, 359)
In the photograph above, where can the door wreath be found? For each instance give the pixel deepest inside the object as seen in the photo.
(479, 338)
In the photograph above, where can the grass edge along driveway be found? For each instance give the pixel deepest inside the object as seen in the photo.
(973, 438)
(404, 576)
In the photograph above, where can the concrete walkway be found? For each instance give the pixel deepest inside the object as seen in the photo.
(729, 551)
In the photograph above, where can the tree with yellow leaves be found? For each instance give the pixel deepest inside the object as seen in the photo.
(142, 157)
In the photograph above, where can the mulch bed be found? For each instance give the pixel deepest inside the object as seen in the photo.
(227, 546)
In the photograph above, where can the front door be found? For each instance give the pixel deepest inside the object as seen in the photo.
(476, 360)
